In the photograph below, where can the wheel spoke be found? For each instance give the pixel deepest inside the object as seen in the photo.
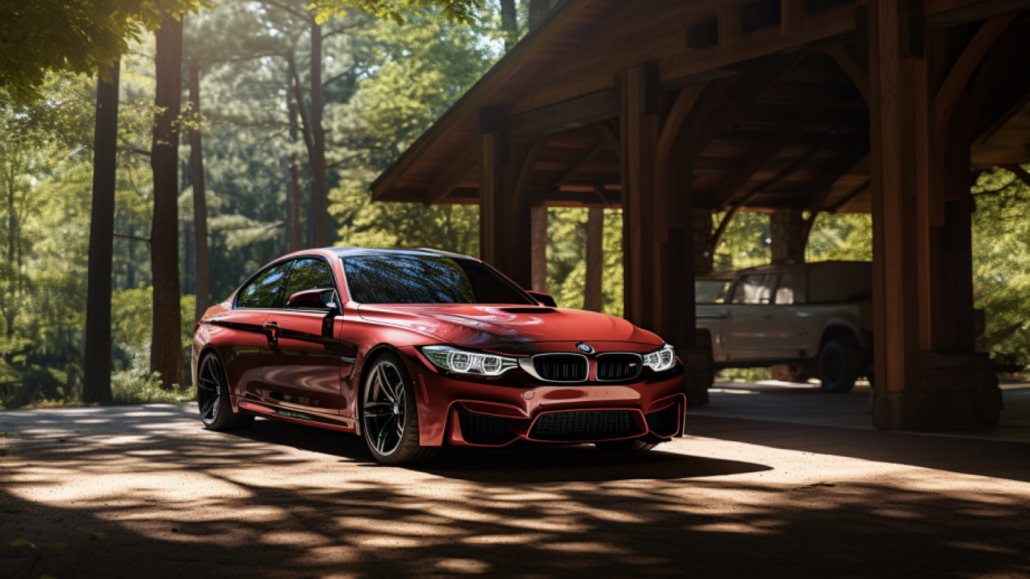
(208, 410)
(207, 384)
(381, 439)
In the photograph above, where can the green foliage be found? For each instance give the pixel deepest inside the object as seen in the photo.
(454, 10)
(841, 236)
(1001, 263)
(745, 242)
(138, 385)
(37, 36)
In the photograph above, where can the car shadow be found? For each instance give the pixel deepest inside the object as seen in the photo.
(528, 464)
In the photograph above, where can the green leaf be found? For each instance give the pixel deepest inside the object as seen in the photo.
(56, 546)
(19, 543)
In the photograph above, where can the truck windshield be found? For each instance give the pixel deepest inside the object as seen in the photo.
(418, 279)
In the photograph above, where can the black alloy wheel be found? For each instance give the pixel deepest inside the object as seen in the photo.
(389, 414)
(213, 397)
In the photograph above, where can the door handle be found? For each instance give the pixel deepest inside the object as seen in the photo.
(272, 332)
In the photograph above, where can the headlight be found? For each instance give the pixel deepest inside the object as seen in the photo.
(465, 362)
(662, 359)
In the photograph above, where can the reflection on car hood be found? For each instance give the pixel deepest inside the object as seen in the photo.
(506, 327)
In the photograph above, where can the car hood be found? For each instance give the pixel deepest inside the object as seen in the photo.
(507, 328)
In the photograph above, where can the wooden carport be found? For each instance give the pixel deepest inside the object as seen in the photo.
(674, 109)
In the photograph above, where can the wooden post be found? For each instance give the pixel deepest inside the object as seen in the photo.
(927, 376)
(639, 132)
(592, 298)
(539, 251)
(489, 195)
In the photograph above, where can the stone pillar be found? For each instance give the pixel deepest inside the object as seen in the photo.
(927, 376)
(787, 232)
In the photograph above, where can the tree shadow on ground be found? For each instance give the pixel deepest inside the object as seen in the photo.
(991, 458)
(178, 501)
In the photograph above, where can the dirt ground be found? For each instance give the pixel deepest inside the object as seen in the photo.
(735, 498)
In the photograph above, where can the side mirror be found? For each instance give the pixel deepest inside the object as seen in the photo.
(317, 299)
(543, 299)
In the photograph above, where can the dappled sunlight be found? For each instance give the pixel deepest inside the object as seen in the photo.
(285, 500)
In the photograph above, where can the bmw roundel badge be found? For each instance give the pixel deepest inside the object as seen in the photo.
(585, 348)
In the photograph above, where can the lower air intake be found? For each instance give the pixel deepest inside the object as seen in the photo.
(585, 425)
(663, 422)
(483, 428)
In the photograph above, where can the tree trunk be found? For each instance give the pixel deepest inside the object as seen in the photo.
(595, 259)
(203, 280)
(166, 347)
(509, 23)
(319, 186)
(96, 386)
(294, 195)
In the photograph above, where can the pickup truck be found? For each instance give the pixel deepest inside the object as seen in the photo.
(815, 318)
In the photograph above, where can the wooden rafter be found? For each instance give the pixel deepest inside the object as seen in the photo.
(740, 100)
(851, 67)
(680, 109)
(784, 173)
(768, 150)
(1022, 174)
(579, 163)
(850, 196)
(958, 79)
(609, 135)
(526, 171)
(988, 71)
(452, 176)
(603, 194)
(820, 190)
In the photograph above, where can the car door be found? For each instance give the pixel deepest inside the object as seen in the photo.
(751, 330)
(302, 358)
(252, 306)
(794, 318)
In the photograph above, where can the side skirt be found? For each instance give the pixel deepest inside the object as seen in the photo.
(298, 417)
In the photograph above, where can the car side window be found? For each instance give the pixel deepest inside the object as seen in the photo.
(263, 291)
(790, 289)
(308, 274)
(754, 288)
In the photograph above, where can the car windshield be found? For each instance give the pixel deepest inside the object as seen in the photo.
(418, 279)
(710, 291)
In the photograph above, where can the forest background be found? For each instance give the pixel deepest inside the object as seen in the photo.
(383, 82)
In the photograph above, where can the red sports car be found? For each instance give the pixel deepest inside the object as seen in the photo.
(414, 350)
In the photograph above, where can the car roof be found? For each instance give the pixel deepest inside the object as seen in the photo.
(422, 251)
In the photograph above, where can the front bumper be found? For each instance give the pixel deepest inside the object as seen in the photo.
(496, 413)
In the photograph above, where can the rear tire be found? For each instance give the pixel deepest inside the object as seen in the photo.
(838, 365)
(213, 399)
(633, 445)
(389, 415)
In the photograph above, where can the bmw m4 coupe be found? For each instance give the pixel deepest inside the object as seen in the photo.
(418, 349)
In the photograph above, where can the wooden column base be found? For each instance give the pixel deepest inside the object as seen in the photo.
(699, 371)
(956, 391)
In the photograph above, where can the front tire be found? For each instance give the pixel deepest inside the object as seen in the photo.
(389, 415)
(838, 365)
(213, 397)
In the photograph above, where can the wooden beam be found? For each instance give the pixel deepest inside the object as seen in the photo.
(974, 12)
(592, 296)
(1022, 174)
(453, 175)
(784, 173)
(768, 150)
(577, 112)
(685, 102)
(609, 135)
(759, 81)
(850, 196)
(519, 194)
(473, 100)
(846, 60)
(822, 187)
(991, 66)
(603, 194)
(958, 79)
(579, 163)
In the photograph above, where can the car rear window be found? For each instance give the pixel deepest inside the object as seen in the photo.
(416, 279)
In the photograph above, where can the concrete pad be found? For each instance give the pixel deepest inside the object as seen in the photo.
(735, 498)
(806, 404)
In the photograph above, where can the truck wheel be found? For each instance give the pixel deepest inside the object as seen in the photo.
(838, 365)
